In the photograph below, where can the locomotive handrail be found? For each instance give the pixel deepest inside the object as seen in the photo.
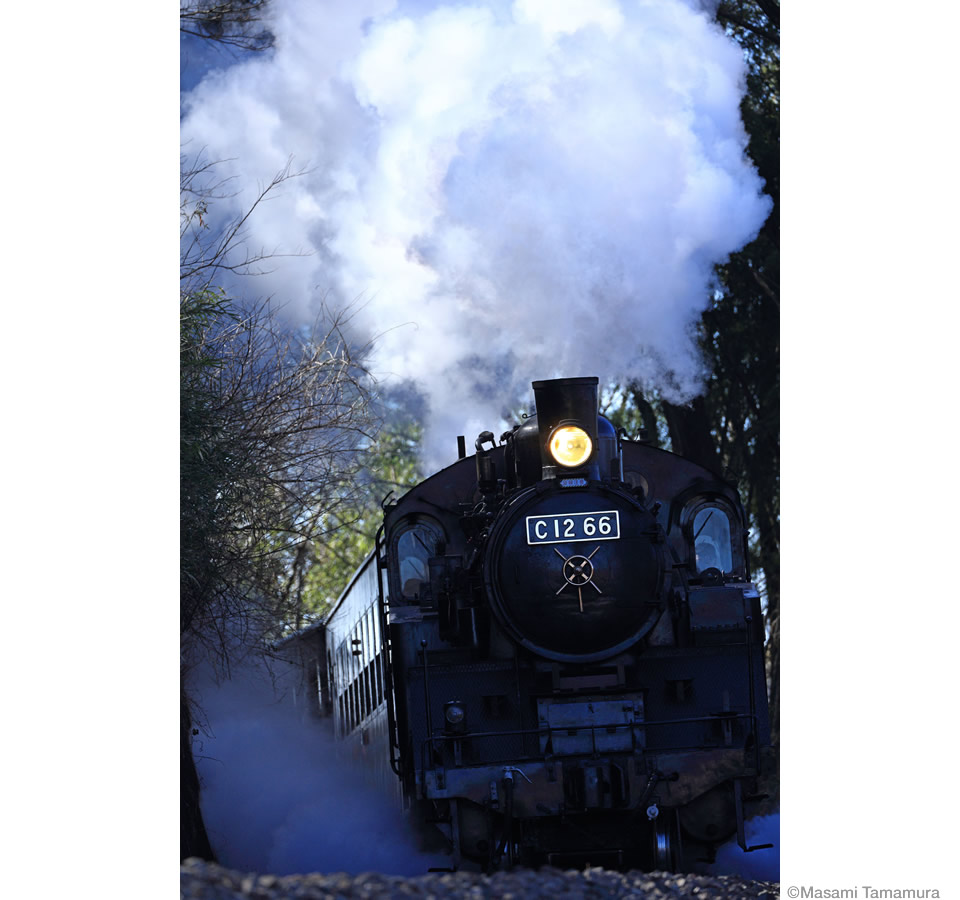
(748, 639)
(386, 650)
(753, 702)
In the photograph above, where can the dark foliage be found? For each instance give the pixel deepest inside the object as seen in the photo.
(734, 428)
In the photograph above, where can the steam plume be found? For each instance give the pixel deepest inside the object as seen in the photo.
(276, 795)
(510, 191)
(762, 865)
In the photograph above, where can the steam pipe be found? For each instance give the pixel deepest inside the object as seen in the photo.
(426, 690)
(753, 697)
(486, 471)
(505, 841)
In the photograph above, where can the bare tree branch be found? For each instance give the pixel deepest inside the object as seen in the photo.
(273, 423)
(236, 23)
(206, 254)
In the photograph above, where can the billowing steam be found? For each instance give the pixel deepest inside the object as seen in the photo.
(503, 191)
(762, 865)
(278, 797)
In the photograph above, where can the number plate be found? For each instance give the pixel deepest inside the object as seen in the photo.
(567, 527)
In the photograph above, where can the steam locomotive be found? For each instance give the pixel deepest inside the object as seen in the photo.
(555, 653)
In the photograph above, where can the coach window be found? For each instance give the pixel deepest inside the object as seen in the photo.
(415, 546)
(711, 539)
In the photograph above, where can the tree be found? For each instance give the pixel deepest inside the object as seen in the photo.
(734, 427)
(313, 572)
(271, 429)
(236, 23)
(273, 423)
(390, 466)
(203, 310)
(741, 331)
(751, 19)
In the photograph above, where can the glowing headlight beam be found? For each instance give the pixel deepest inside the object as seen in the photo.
(570, 446)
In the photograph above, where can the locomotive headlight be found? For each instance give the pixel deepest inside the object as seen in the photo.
(455, 717)
(570, 446)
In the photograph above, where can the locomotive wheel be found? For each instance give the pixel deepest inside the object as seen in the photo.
(665, 841)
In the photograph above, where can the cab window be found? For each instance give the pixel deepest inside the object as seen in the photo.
(711, 539)
(415, 546)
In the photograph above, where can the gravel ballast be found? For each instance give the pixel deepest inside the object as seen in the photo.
(201, 880)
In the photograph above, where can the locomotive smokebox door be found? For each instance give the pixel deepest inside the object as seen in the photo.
(575, 575)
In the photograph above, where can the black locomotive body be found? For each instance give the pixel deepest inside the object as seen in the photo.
(570, 649)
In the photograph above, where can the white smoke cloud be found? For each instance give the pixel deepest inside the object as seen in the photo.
(511, 191)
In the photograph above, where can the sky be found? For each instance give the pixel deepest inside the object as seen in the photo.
(498, 192)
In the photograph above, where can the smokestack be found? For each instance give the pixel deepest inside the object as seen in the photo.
(565, 402)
